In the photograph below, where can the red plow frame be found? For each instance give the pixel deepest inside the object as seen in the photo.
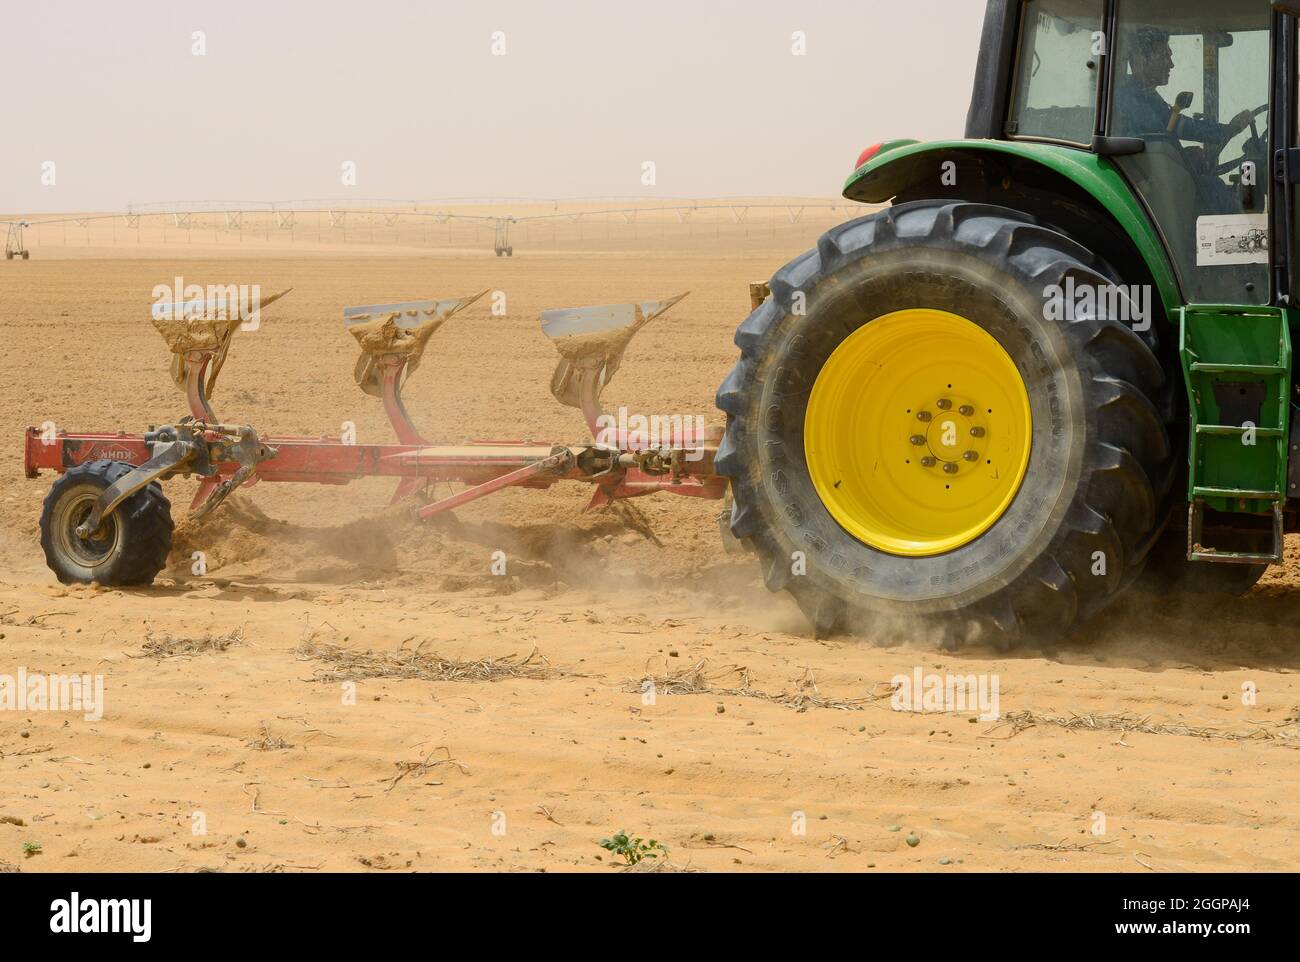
(591, 342)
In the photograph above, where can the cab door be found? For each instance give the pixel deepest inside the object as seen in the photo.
(1193, 82)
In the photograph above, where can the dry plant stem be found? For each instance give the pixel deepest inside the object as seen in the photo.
(348, 665)
(422, 767)
(1020, 721)
(700, 679)
(162, 646)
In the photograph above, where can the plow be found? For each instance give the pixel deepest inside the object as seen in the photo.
(106, 519)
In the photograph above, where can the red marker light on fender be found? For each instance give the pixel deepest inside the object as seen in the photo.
(867, 154)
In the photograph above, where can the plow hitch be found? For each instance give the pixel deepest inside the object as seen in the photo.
(189, 447)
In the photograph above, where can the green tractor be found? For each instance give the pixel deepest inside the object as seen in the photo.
(1058, 366)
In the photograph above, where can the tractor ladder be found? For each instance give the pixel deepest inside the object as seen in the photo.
(1237, 363)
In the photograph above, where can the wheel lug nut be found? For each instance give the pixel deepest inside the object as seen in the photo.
(924, 416)
(917, 440)
(965, 410)
(971, 456)
(927, 462)
(950, 468)
(944, 404)
(977, 432)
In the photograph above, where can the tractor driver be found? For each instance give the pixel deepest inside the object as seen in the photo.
(1140, 110)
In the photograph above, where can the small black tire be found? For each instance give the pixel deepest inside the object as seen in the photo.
(26, 255)
(1102, 464)
(132, 544)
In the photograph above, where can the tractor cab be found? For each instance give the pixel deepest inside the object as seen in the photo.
(1179, 96)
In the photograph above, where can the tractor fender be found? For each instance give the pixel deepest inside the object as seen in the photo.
(902, 165)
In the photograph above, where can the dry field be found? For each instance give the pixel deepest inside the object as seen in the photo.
(498, 723)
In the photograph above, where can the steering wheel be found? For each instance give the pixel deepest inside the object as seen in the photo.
(1254, 148)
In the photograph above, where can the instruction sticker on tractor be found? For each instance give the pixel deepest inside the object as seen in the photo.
(1231, 239)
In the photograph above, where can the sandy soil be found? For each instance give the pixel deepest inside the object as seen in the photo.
(226, 708)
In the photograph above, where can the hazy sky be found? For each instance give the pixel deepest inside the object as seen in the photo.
(412, 93)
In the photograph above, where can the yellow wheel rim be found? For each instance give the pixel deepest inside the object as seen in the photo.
(918, 432)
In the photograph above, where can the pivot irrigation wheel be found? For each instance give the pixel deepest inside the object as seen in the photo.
(130, 547)
(912, 436)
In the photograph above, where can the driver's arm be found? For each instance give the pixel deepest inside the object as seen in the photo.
(1207, 131)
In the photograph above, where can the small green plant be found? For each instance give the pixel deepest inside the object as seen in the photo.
(633, 850)
(31, 848)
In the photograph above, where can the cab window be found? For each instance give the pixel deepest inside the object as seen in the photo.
(1056, 72)
(1192, 80)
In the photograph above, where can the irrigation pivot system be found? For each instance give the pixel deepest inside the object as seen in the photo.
(415, 223)
(14, 246)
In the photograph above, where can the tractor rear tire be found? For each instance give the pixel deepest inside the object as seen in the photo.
(132, 544)
(1095, 478)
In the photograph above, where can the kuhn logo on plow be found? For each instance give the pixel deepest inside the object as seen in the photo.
(96, 452)
(106, 519)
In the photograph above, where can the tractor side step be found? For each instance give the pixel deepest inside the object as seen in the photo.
(1237, 363)
(1201, 367)
(1198, 552)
